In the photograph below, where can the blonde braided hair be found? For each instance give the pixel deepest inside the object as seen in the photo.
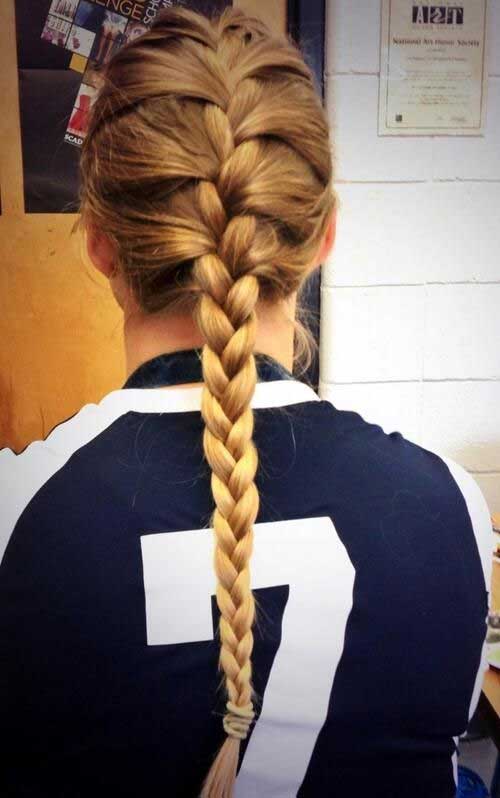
(207, 162)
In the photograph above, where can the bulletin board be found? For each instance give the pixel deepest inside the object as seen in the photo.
(61, 338)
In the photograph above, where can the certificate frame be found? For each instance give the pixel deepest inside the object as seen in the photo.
(433, 68)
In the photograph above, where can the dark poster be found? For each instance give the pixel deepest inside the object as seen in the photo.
(60, 46)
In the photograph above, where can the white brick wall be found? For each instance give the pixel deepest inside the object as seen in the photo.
(410, 302)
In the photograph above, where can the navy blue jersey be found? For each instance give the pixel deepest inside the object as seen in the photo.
(370, 570)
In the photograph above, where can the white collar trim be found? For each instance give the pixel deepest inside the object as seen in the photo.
(270, 393)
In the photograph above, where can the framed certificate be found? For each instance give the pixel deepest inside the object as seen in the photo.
(432, 68)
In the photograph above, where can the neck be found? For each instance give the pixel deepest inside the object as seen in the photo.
(147, 336)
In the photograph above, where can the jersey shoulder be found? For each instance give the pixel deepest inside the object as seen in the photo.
(390, 463)
(23, 474)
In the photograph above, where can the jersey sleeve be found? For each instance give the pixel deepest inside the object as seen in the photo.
(479, 515)
(483, 531)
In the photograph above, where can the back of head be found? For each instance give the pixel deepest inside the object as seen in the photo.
(207, 163)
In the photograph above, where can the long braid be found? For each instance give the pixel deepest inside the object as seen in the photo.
(208, 164)
(226, 316)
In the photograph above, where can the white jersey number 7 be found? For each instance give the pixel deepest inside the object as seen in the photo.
(304, 553)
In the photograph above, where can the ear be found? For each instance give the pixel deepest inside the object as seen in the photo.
(328, 238)
(101, 251)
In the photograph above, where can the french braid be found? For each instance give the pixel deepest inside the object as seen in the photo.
(226, 316)
(217, 196)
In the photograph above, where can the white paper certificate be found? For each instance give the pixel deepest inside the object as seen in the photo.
(432, 68)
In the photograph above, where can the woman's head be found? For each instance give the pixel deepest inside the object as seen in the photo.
(208, 135)
(207, 165)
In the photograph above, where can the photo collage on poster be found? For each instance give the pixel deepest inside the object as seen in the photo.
(93, 33)
(63, 47)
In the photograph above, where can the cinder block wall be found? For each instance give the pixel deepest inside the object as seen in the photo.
(410, 303)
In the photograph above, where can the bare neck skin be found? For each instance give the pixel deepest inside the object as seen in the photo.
(146, 336)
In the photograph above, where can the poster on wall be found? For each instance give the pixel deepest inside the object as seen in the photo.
(432, 68)
(61, 47)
